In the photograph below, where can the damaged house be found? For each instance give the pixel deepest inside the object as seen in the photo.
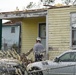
(56, 26)
(12, 37)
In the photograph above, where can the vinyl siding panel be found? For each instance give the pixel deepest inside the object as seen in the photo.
(59, 31)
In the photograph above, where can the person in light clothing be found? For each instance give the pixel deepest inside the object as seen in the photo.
(38, 49)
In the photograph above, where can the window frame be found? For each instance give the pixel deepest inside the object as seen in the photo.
(72, 29)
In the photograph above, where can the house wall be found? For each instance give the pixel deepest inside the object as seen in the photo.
(30, 32)
(8, 37)
(59, 30)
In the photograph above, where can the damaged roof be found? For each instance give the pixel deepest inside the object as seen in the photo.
(23, 14)
(27, 13)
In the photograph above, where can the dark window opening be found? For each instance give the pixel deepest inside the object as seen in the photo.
(12, 29)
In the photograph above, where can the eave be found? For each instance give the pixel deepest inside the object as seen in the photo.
(22, 14)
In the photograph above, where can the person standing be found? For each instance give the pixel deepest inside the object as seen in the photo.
(38, 49)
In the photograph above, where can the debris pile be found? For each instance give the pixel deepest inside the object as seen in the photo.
(11, 63)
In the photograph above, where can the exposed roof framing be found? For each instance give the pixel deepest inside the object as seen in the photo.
(23, 14)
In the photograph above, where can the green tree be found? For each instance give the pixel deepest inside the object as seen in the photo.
(68, 2)
(47, 1)
(50, 2)
(30, 5)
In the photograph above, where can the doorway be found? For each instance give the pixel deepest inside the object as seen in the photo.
(42, 33)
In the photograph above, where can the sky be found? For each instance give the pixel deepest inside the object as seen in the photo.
(10, 5)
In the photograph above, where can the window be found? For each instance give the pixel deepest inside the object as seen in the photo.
(68, 57)
(12, 29)
(74, 37)
(73, 27)
(75, 57)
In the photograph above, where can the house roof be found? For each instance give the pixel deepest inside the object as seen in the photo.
(57, 7)
(27, 13)
(23, 14)
(12, 23)
(34, 10)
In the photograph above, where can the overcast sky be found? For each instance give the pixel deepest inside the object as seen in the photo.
(10, 5)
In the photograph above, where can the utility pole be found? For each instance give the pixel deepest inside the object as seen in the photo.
(0, 33)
